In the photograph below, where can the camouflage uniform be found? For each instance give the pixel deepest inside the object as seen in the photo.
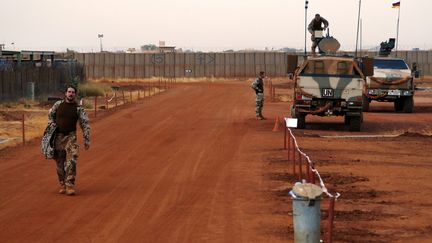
(66, 147)
(316, 25)
(258, 86)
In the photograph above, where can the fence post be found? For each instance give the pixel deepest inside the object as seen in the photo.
(294, 152)
(330, 220)
(300, 166)
(293, 159)
(106, 101)
(124, 100)
(285, 133)
(115, 96)
(23, 128)
(289, 147)
(150, 88)
(95, 106)
(312, 173)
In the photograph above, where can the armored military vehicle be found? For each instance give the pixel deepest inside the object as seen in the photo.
(392, 81)
(330, 85)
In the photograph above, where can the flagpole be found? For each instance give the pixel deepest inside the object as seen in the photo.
(397, 31)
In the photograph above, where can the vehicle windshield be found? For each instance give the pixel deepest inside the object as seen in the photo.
(330, 67)
(389, 64)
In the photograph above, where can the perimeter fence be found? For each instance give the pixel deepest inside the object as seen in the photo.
(36, 79)
(210, 64)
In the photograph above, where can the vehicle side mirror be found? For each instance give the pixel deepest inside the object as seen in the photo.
(292, 63)
(367, 66)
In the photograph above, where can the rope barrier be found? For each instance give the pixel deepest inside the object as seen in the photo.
(312, 168)
(109, 100)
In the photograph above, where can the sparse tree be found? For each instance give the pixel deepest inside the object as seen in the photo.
(149, 47)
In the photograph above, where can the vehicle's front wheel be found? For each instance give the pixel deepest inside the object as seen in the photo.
(354, 123)
(301, 120)
(408, 104)
(366, 103)
(346, 120)
(398, 105)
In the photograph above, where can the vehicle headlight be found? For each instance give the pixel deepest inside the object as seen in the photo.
(373, 91)
(407, 92)
(306, 98)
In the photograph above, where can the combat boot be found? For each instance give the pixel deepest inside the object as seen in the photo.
(70, 190)
(62, 189)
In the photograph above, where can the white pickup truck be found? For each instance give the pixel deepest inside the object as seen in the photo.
(392, 82)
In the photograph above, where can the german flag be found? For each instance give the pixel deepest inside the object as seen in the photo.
(396, 5)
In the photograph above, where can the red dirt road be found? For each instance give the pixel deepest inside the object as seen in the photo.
(192, 165)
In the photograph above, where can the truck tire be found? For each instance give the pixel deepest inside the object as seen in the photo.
(354, 123)
(398, 105)
(366, 103)
(408, 104)
(301, 120)
(346, 120)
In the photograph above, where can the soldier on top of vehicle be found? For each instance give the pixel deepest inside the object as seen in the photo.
(314, 25)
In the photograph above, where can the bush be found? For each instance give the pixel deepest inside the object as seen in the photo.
(90, 89)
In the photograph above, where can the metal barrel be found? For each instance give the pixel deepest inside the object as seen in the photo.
(306, 217)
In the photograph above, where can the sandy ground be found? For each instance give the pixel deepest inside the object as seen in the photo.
(193, 165)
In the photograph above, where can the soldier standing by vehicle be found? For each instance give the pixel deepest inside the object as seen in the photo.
(65, 114)
(316, 24)
(258, 86)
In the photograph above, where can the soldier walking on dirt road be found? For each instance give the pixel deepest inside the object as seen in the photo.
(258, 86)
(64, 115)
(316, 24)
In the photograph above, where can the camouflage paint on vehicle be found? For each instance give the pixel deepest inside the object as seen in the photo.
(340, 74)
(329, 86)
(345, 88)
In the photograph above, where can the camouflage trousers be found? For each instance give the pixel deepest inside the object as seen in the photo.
(259, 103)
(66, 156)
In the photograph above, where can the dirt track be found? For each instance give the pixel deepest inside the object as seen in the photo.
(192, 165)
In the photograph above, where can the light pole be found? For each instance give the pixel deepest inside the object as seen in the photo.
(358, 24)
(305, 37)
(100, 36)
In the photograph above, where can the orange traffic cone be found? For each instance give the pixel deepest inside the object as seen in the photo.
(276, 125)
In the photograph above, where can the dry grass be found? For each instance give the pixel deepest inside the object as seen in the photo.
(11, 117)
(36, 114)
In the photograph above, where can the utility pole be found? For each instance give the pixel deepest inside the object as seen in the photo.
(358, 24)
(305, 37)
(100, 36)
